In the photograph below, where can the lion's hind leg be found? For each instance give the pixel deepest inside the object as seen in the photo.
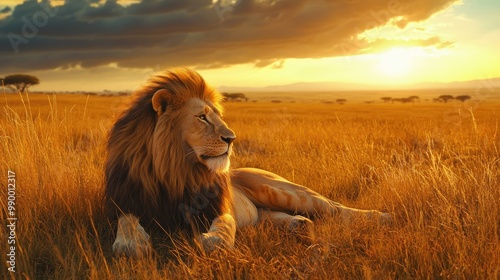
(270, 191)
(246, 214)
(295, 224)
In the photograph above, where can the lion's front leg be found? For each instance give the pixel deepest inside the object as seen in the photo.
(221, 233)
(131, 238)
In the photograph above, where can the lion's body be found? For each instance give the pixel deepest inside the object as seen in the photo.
(168, 163)
(134, 183)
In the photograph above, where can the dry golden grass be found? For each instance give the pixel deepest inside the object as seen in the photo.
(436, 167)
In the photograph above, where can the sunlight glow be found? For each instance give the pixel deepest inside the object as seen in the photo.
(397, 62)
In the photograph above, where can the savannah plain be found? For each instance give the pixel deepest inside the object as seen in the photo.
(434, 166)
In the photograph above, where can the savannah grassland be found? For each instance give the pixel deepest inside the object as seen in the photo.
(436, 167)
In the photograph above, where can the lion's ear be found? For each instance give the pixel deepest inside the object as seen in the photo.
(160, 101)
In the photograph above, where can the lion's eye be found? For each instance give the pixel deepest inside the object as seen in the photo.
(203, 118)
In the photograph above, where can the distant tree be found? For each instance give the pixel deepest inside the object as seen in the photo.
(20, 82)
(413, 98)
(386, 99)
(437, 100)
(463, 98)
(234, 96)
(341, 101)
(445, 98)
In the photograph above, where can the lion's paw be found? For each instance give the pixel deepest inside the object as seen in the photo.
(386, 218)
(212, 241)
(302, 227)
(136, 246)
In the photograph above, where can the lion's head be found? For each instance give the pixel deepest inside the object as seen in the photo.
(197, 123)
(169, 143)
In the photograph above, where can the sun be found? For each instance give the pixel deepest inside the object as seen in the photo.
(396, 62)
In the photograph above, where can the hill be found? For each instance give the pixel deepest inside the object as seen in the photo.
(336, 86)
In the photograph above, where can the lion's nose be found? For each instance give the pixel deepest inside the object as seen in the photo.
(228, 140)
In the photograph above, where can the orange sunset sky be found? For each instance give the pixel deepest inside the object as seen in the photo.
(95, 45)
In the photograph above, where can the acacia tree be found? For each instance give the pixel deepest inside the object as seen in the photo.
(413, 98)
(234, 96)
(445, 98)
(20, 82)
(386, 99)
(341, 101)
(463, 98)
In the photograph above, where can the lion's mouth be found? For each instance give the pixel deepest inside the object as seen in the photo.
(205, 157)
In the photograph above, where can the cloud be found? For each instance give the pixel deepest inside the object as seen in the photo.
(274, 63)
(37, 36)
(421, 10)
(5, 10)
(382, 44)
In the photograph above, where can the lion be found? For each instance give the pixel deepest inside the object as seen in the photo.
(168, 163)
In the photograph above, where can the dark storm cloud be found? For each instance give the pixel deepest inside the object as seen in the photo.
(198, 33)
(5, 10)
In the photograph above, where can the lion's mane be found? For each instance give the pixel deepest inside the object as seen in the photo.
(148, 172)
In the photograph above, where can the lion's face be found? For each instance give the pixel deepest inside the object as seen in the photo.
(207, 135)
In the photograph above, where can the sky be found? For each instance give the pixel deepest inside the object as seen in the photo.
(93, 45)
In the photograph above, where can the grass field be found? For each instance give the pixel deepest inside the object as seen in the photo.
(436, 167)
